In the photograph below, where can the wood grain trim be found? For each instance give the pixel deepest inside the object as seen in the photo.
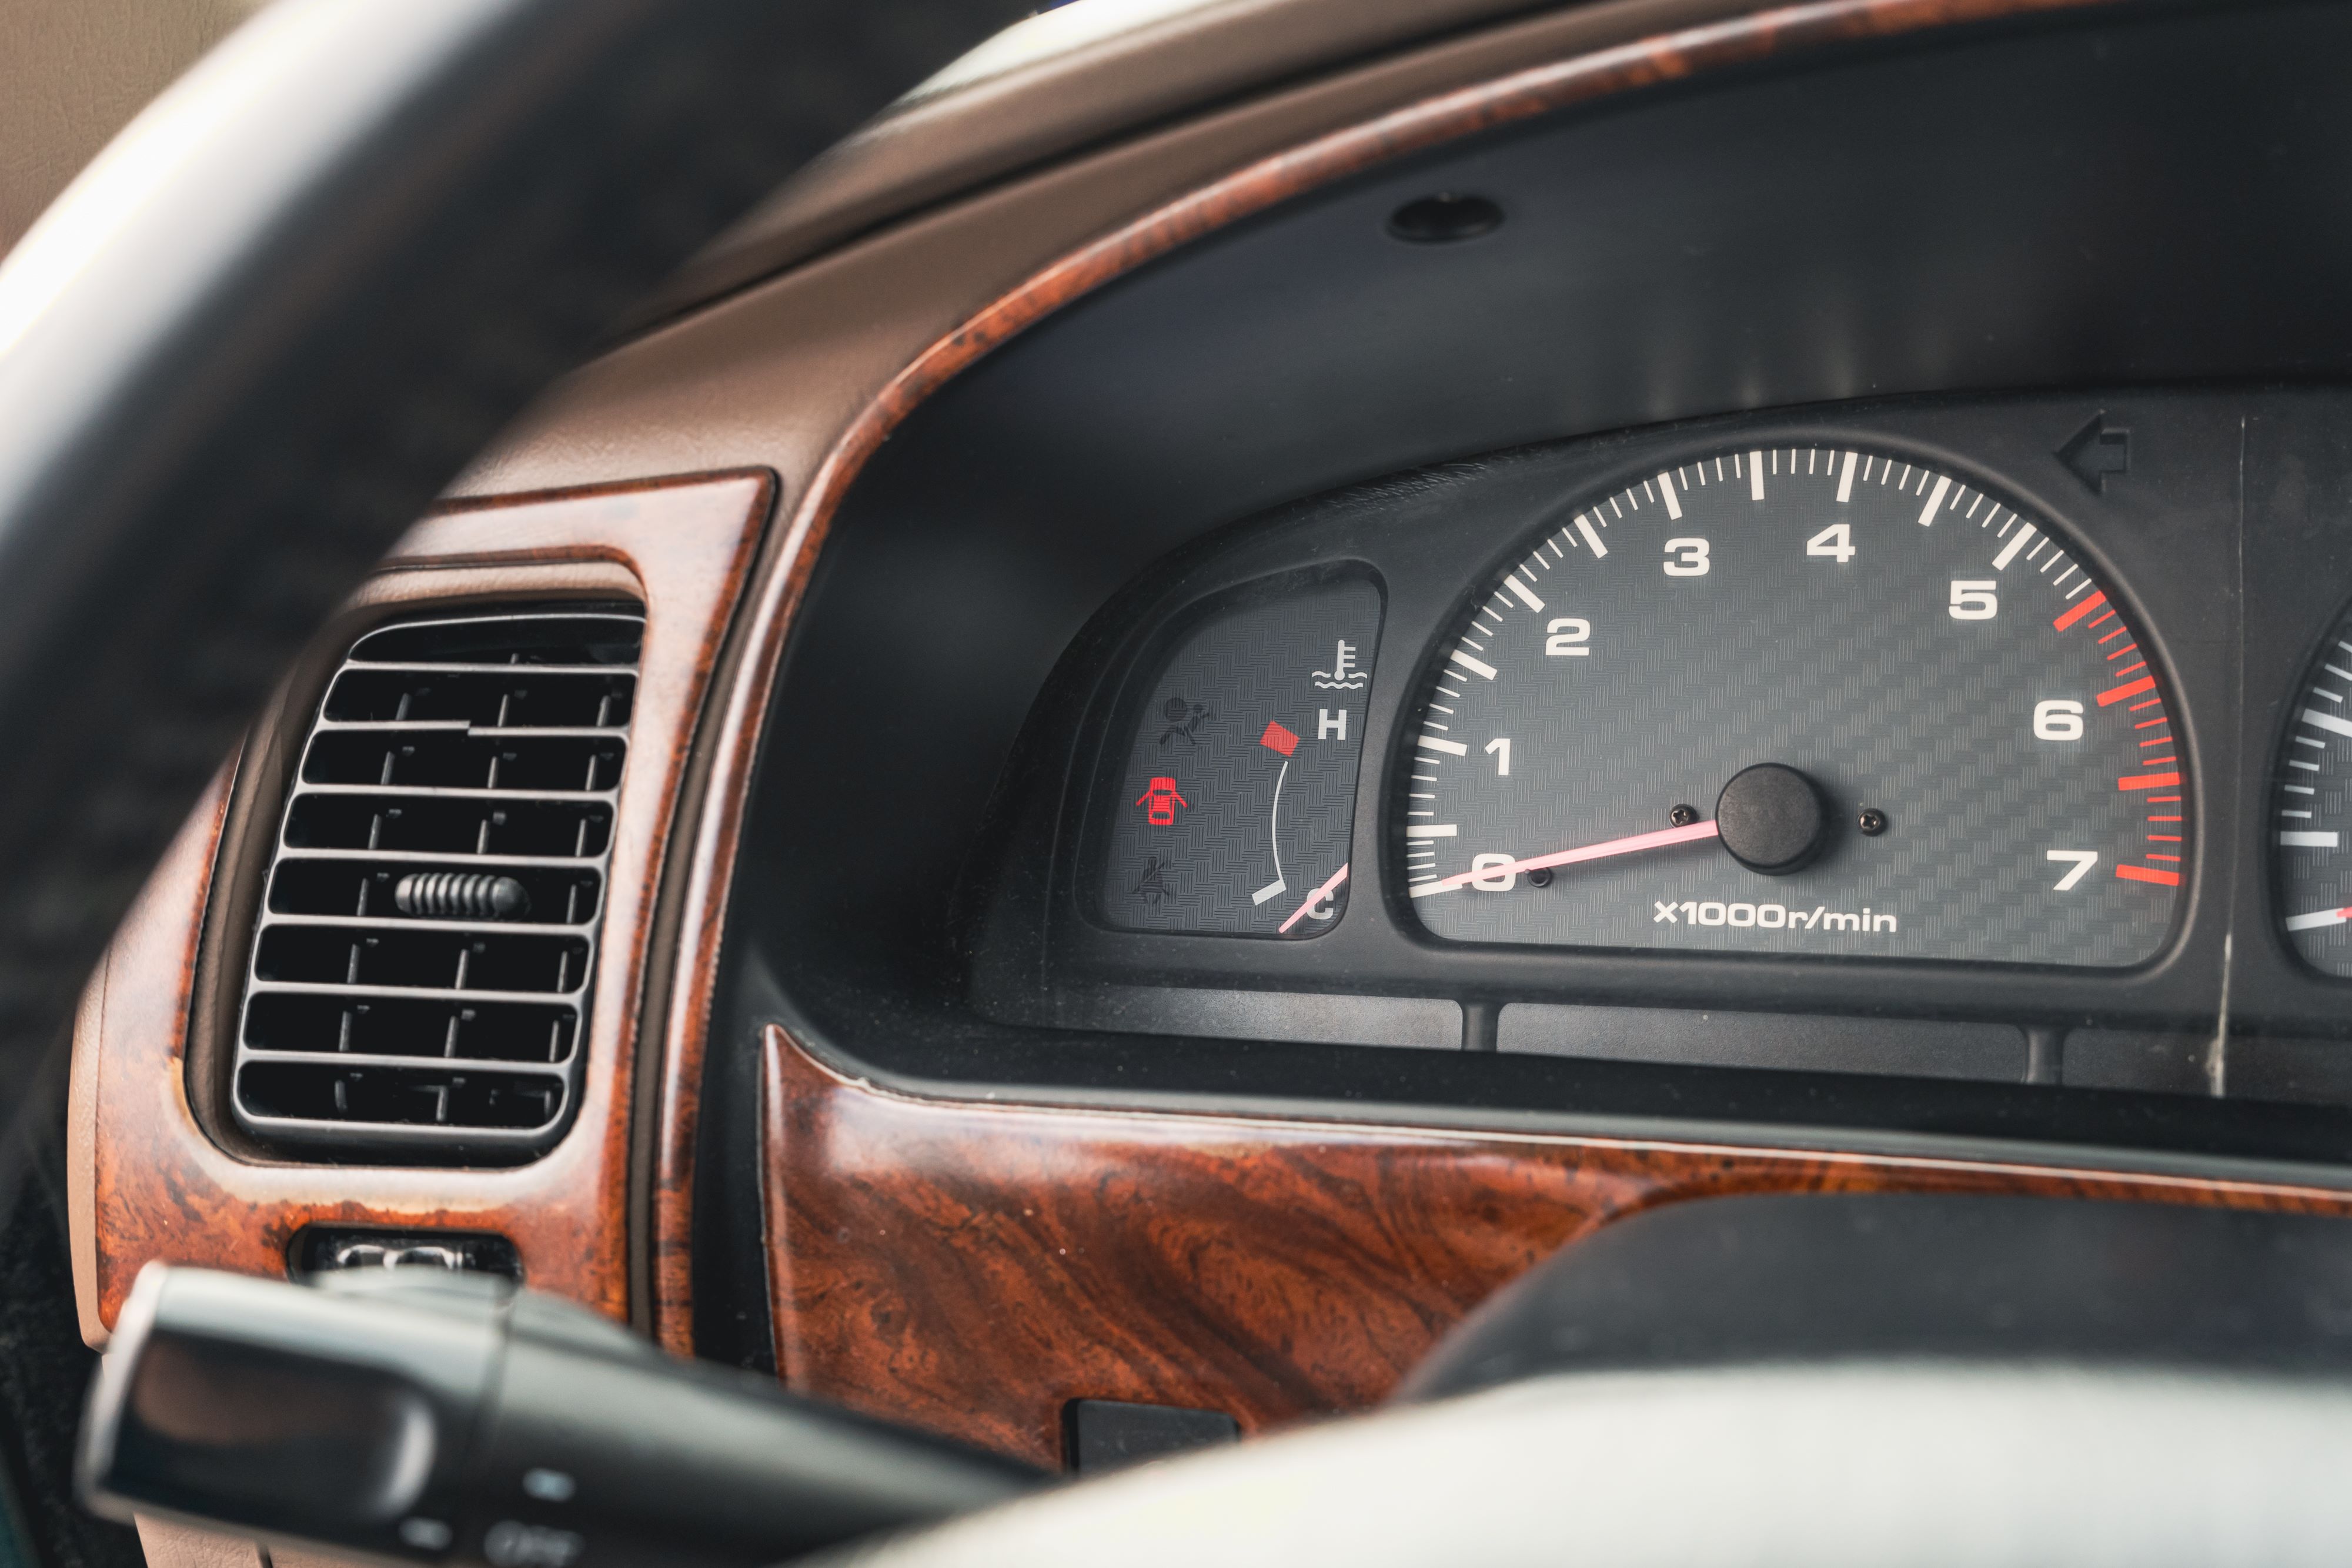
(970, 1267)
(1541, 88)
(160, 1187)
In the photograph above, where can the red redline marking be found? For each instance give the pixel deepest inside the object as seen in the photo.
(2119, 675)
(2162, 800)
(2103, 619)
(2163, 818)
(2146, 722)
(2065, 622)
(2148, 781)
(2150, 702)
(2144, 683)
(2157, 761)
(2164, 837)
(2112, 635)
(2154, 856)
(2148, 873)
(2119, 653)
(1313, 898)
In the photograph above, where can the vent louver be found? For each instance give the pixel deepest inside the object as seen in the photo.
(419, 977)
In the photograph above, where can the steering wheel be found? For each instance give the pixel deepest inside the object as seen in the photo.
(309, 284)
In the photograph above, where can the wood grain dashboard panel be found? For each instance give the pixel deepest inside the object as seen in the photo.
(154, 1177)
(969, 1267)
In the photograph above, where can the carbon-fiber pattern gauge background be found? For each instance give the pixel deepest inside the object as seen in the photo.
(1234, 810)
(2312, 810)
(1915, 646)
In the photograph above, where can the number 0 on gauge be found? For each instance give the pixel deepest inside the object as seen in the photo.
(1805, 700)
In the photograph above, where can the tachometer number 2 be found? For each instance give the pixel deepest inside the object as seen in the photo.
(1567, 638)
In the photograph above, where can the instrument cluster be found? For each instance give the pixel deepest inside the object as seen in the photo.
(2029, 716)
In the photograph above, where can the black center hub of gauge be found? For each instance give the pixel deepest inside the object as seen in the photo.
(1773, 819)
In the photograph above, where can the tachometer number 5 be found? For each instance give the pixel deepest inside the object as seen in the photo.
(1689, 557)
(1973, 599)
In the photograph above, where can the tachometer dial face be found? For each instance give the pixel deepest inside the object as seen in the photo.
(2312, 811)
(1808, 700)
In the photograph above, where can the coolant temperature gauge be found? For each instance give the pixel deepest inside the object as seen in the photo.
(1232, 807)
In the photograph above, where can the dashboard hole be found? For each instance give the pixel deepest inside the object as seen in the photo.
(1445, 219)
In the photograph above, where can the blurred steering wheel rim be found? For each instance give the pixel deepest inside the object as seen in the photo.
(248, 347)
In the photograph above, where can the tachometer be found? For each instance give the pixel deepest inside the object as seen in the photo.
(1806, 700)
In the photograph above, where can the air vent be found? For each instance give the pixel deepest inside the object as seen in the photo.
(420, 976)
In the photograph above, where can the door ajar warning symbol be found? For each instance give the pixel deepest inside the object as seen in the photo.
(1159, 801)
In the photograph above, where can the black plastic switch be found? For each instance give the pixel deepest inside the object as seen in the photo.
(442, 1415)
(1104, 1434)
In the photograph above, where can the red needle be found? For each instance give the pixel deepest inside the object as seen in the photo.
(1313, 898)
(1660, 839)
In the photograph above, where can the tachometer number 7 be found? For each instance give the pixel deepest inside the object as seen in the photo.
(2084, 860)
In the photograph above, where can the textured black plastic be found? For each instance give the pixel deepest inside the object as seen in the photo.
(1105, 1434)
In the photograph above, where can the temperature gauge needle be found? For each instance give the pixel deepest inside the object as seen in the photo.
(1664, 838)
(1313, 898)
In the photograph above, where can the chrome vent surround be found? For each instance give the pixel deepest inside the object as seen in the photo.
(420, 973)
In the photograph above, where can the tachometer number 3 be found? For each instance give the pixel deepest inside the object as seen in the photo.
(1689, 557)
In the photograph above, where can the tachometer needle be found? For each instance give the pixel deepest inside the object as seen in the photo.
(1313, 898)
(1662, 839)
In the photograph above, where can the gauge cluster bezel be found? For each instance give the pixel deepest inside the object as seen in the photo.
(2172, 540)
